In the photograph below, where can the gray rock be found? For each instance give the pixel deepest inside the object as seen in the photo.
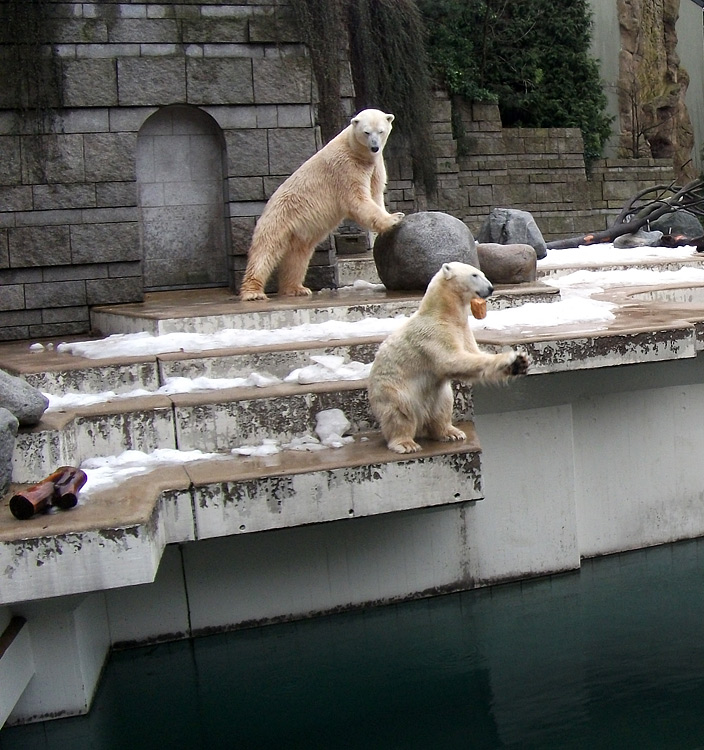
(8, 432)
(409, 255)
(21, 399)
(509, 226)
(641, 238)
(507, 264)
(681, 222)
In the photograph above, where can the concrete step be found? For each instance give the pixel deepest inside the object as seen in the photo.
(60, 373)
(115, 537)
(211, 310)
(208, 421)
(361, 266)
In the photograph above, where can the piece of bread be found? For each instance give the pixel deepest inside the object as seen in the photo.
(478, 307)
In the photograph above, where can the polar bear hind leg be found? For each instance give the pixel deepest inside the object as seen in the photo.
(293, 267)
(397, 419)
(440, 425)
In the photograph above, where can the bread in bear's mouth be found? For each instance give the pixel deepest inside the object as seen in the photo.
(478, 307)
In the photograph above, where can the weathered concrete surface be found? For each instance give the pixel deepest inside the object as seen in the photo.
(116, 537)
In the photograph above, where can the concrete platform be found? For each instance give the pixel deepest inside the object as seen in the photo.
(116, 537)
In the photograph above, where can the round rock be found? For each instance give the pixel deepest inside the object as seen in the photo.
(21, 399)
(507, 264)
(409, 255)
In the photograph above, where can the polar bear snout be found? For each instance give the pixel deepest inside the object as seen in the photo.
(482, 286)
(487, 291)
(375, 143)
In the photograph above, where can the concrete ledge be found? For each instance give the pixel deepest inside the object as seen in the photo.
(116, 537)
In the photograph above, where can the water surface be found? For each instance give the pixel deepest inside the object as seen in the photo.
(609, 657)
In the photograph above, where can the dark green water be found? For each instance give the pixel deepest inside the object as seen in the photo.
(610, 657)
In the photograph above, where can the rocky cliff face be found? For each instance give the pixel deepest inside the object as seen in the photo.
(652, 85)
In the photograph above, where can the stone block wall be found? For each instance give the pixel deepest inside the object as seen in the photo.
(540, 170)
(75, 214)
(71, 220)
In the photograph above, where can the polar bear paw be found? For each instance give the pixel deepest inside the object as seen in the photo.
(295, 291)
(407, 445)
(452, 433)
(251, 296)
(520, 364)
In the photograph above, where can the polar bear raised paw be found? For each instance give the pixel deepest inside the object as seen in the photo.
(520, 365)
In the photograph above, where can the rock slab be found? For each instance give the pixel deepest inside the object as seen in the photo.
(509, 226)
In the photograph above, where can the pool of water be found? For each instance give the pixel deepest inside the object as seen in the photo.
(609, 657)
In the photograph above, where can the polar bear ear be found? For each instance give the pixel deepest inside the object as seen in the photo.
(447, 271)
(390, 118)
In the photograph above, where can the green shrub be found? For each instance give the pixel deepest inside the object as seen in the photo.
(531, 57)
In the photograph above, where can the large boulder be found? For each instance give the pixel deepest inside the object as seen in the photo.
(8, 432)
(680, 223)
(411, 253)
(507, 264)
(21, 399)
(509, 226)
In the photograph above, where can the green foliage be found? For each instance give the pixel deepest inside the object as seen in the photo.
(532, 57)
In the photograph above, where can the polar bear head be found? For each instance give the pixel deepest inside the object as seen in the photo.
(371, 128)
(469, 282)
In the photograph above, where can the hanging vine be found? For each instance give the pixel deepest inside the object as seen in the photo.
(321, 24)
(386, 40)
(31, 72)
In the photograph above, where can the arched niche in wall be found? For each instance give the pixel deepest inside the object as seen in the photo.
(182, 200)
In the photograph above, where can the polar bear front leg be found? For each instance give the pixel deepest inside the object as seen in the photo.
(488, 367)
(371, 216)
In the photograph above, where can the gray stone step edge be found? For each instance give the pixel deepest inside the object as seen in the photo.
(116, 537)
(222, 419)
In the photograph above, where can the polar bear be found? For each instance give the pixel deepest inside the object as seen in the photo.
(345, 179)
(410, 391)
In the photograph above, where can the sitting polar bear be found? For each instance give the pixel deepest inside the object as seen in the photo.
(345, 179)
(410, 390)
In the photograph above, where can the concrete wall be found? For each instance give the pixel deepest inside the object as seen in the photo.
(77, 211)
(575, 465)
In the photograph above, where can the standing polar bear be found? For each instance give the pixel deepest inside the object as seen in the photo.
(345, 179)
(410, 390)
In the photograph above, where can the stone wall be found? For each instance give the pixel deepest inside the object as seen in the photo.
(540, 170)
(105, 204)
(73, 212)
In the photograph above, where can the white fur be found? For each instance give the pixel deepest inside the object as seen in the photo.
(410, 383)
(345, 179)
